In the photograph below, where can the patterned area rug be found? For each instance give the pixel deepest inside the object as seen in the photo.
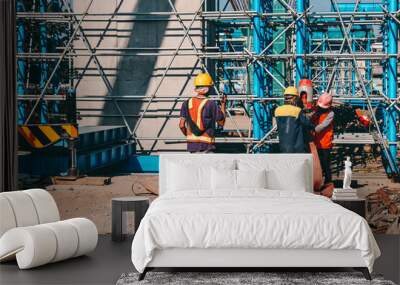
(243, 278)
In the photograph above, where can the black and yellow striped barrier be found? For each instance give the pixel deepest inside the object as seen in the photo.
(41, 136)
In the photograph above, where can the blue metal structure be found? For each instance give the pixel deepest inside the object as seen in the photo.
(323, 65)
(392, 50)
(55, 161)
(43, 36)
(265, 23)
(100, 136)
(21, 63)
(43, 116)
(140, 164)
(98, 147)
(259, 77)
(301, 42)
(353, 71)
(368, 69)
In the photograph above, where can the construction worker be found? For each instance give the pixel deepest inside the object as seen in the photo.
(292, 123)
(323, 120)
(199, 116)
(306, 94)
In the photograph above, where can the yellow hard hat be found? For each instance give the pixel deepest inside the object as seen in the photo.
(291, 90)
(203, 79)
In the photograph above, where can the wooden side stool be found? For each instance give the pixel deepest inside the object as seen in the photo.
(137, 204)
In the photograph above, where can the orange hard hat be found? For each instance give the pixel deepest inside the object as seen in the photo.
(306, 87)
(305, 82)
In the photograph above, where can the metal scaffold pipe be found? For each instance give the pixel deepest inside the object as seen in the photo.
(393, 33)
(301, 38)
(21, 64)
(254, 51)
(241, 56)
(258, 71)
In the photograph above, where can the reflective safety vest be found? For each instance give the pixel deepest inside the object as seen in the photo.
(324, 139)
(195, 107)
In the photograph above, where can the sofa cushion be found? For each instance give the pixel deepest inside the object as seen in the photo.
(23, 208)
(46, 207)
(87, 233)
(7, 218)
(67, 240)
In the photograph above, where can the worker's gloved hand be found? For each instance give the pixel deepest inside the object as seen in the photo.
(308, 112)
(224, 98)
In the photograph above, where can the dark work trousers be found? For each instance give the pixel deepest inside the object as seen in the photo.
(325, 159)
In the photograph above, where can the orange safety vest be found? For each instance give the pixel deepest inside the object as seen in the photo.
(196, 106)
(324, 139)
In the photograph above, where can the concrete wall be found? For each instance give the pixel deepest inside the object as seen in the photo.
(138, 75)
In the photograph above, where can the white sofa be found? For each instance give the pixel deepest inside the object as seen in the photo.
(31, 230)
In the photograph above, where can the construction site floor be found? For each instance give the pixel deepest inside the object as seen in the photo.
(94, 202)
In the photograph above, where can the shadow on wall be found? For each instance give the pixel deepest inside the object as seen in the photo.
(134, 73)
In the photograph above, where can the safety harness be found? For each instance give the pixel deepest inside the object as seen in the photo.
(197, 132)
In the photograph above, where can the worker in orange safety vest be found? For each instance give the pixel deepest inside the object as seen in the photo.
(323, 120)
(200, 115)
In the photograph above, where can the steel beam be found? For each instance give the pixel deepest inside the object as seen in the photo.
(392, 32)
(21, 63)
(301, 41)
(259, 115)
(353, 72)
(44, 66)
(368, 69)
(323, 63)
(141, 164)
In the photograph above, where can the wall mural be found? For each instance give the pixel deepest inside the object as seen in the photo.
(383, 210)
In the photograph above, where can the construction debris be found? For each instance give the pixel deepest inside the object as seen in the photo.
(85, 180)
(383, 212)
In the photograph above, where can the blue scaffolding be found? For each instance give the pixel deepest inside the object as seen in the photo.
(254, 48)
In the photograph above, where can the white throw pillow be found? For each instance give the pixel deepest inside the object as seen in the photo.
(289, 175)
(186, 175)
(251, 179)
(223, 179)
(180, 177)
(293, 179)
